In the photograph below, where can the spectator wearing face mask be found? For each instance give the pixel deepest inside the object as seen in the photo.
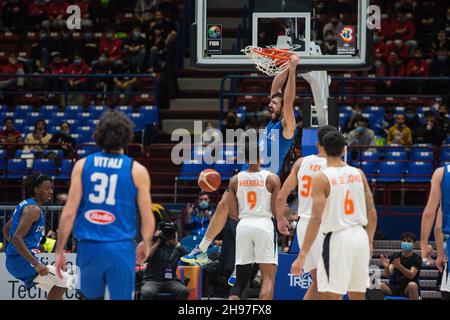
(393, 68)
(403, 269)
(78, 67)
(56, 12)
(442, 118)
(135, 47)
(412, 120)
(398, 46)
(63, 138)
(57, 67)
(361, 135)
(356, 111)
(110, 49)
(430, 132)
(404, 28)
(400, 133)
(199, 214)
(334, 26)
(160, 22)
(143, 10)
(330, 43)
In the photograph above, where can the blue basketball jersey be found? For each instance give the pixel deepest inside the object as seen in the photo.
(273, 147)
(445, 189)
(107, 211)
(34, 235)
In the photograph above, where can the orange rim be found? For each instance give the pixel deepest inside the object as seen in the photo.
(281, 55)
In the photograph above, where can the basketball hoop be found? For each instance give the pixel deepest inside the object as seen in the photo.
(270, 61)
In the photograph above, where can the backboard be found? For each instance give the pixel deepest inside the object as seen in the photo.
(327, 35)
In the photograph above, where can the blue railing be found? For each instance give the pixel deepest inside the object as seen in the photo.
(235, 90)
(66, 91)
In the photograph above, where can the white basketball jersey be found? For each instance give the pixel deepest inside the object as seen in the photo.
(253, 197)
(346, 203)
(310, 166)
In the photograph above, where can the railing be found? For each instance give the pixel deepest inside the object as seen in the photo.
(107, 91)
(339, 94)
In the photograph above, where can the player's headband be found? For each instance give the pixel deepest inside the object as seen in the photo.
(41, 178)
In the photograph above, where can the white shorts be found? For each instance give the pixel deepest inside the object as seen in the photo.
(344, 265)
(47, 282)
(256, 241)
(313, 257)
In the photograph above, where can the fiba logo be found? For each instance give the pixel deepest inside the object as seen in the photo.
(347, 34)
(73, 22)
(214, 32)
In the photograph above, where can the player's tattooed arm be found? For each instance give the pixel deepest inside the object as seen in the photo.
(289, 99)
(232, 198)
(371, 210)
(429, 213)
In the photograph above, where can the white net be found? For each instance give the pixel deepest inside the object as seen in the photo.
(268, 61)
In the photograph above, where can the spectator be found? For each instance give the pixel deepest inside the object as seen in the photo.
(41, 50)
(160, 274)
(334, 26)
(442, 118)
(169, 76)
(400, 133)
(56, 12)
(441, 42)
(361, 135)
(425, 15)
(405, 29)
(135, 47)
(89, 48)
(125, 83)
(160, 22)
(430, 132)
(199, 214)
(330, 43)
(37, 12)
(157, 45)
(110, 48)
(357, 110)
(78, 67)
(143, 11)
(393, 68)
(403, 268)
(13, 67)
(412, 120)
(11, 14)
(63, 138)
(231, 122)
(169, 8)
(38, 136)
(102, 12)
(398, 46)
(417, 67)
(10, 135)
(57, 67)
(440, 67)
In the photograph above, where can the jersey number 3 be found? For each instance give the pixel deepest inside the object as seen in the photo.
(306, 189)
(102, 183)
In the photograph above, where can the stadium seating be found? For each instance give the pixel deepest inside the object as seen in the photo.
(190, 170)
(390, 171)
(17, 169)
(66, 169)
(45, 166)
(419, 171)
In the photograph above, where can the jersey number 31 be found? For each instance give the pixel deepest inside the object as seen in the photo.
(102, 183)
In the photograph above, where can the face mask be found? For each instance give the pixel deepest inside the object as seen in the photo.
(109, 36)
(378, 64)
(329, 37)
(77, 62)
(88, 36)
(407, 246)
(376, 39)
(102, 59)
(136, 34)
(44, 36)
(410, 116)
(398, 43)
(203, 204)
(442, 58)
(65, 132)
(360, 129)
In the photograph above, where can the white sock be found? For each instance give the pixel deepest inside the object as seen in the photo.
(204, 245)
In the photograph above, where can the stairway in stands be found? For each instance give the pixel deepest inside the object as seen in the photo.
(428, 275)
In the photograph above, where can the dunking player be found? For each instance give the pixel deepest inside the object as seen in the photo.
(343, 203)
(439, 196)
(280, 132)
(252, 199)
(24, 232)
(302, 172)
(104, 189)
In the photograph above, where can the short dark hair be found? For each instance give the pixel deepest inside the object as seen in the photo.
(407, 236)
(114, 131)
(334, 143)
(323, 131)
(45, 125)
(9, 118)
(64, 122)
(277, 95)
(202, 193)
(33, 181)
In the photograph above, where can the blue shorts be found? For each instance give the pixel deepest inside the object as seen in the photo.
(110, 264)
(21, 269)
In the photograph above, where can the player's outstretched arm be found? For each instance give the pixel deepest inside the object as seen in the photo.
(68, 215)
(233, 209)
(289, 184)
(371, 212)
(278, 82)
(289, 99)
(439, 238)
(141, 179)
(429, 213)
(319, 193)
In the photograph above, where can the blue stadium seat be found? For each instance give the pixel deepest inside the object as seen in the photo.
(150, 113)
(241, 113)
(92, 122)
(76, 136)
(225, 170)
(447, 140)
(190, 242)
(3, 108)
(125, 109)
(396, 156)
(444, 154)
(66, 170)
(59, 153)
(83, 118)
(347, 110)
(72, 122)
(17, 169)
(85, 134)
(190, 169)
(343, 119)
(33, 117)
(20, 124)
(419, 171)
(372, 118)
(399, 109)
(138, 120)
(28, 129)
(47, 111)
(53, 129)
(370, 155)
(22, 109)
(87, 150)
(390, 171)
(73, 110)
(395, 147)
(97, 111)
(375, 110)
(422, 155)
(45, 166)
(370, 168)
(58, 117)
(423, 109)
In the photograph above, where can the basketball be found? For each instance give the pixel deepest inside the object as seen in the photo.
(209, 180)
